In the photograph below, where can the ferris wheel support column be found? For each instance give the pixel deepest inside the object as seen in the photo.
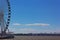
(2, 21)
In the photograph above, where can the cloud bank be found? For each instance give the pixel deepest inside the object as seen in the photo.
(32, 30)
(34, 24)
(28, 30)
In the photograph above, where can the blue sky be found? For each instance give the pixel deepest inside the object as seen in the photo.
(35, 16)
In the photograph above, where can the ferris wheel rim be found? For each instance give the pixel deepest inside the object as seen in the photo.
(5, 9)
(9, 15)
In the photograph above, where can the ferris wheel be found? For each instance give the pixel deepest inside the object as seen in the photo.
(5, 16)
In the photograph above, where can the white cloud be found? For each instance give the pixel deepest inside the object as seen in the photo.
(27, 30)
(37, 24)
(17, 24)
(31, 30)
(34, 24)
